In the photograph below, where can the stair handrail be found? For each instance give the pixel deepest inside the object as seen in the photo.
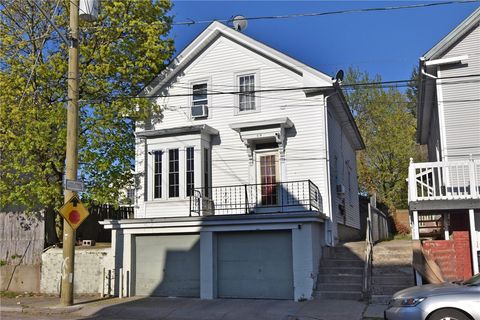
(367, 270)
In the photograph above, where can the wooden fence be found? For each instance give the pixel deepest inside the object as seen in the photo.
(21, 238)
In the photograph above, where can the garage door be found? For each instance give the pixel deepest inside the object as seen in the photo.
(255, 265)
(167, 265)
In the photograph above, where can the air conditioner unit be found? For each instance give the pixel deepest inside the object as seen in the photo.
(200, 111)
(340, 189)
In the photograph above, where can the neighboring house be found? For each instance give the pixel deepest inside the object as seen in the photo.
(239, 190)
(444, 194)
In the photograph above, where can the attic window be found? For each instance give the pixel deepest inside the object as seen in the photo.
(246, 97)
(199, 100)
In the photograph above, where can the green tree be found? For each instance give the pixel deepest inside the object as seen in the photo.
(126, 47)
(388, 127)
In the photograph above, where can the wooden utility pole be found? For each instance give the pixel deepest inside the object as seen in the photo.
(66, 295)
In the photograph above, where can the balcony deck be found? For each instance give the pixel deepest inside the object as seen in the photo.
(433, 185)
(280, 197)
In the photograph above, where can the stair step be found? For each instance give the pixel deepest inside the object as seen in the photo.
(342, 263)
(388, 289)
(339, 286)
(392, 280)
(338, 295)
(341, 270)
(380, 299)
(347, 278)
(393, 271)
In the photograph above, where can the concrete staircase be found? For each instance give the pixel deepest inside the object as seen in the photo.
(341, 272)
(392, 269)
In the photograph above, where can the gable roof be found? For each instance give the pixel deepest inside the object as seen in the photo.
(427, 89)
(311, 77)
(216, 29)
(465, 26)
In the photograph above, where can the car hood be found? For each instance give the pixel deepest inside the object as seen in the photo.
(429, 290)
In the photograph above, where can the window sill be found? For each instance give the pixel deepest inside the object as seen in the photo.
(238, 113)
(170, 200)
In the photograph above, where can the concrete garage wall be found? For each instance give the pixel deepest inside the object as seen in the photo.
(307, 237)
(89, 264)
(20, 278)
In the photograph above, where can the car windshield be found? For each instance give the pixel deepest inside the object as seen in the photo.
(473, 281)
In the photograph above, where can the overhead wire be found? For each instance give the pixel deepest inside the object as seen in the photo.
(326, 13)
(383, 84)
(191, 22)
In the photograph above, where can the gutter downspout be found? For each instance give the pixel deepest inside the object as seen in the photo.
(329, 237)
(422, 69)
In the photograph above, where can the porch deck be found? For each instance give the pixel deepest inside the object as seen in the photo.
(432, 183)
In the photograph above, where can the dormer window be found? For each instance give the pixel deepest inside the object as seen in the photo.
(246, 97)
(199, 100)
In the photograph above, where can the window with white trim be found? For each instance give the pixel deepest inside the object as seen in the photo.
(199, 100)
(206, 171)
(246, 96)
(157, 174)
(190, 171)
(173, 173)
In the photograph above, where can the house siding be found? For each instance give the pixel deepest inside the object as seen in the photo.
(222, 61)
(461, 99)
(341, 150)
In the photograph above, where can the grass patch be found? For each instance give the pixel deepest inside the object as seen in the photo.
(8, 294)
(400, 236)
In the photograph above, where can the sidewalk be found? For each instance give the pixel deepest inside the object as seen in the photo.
(146, 308)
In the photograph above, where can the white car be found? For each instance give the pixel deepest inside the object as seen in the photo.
(445, 301)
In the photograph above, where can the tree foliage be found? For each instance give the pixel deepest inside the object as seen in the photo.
(387, 124)
(126, 47)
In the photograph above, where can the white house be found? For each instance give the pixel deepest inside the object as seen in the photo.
(250, 172)
(444, 193)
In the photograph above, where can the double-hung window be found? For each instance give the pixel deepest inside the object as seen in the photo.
(206, 171)
(190, 172)
(157, 174)
(173, 174)
(199, 100)
(246, 96)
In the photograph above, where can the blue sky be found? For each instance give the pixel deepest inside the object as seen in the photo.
(388, 43)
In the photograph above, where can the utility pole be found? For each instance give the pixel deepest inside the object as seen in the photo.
(71, 166)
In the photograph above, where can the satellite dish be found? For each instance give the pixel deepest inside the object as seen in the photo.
(339, 76)
(240, 23)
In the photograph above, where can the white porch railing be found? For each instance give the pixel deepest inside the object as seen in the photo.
(444, 180)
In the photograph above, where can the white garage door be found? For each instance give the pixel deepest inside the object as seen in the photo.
(167, 265)
(255, 265)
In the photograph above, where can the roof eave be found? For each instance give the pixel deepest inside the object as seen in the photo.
(214, 30)
(439, 49)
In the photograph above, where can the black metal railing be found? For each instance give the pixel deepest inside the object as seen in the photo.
(257, 198)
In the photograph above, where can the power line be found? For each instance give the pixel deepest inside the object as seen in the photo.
(387, 84)
(190, 22)
(326, 13)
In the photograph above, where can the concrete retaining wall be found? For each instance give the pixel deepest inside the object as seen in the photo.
(89, 265)
(21, 278)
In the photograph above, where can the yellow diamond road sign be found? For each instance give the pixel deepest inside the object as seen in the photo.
(74, 212)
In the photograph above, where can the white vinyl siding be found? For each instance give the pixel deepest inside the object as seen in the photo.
(461, 99)
(224, 61)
